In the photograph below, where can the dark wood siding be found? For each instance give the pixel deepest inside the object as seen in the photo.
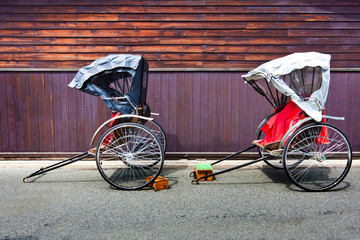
(180, 34)
(200, 111)
(204, 111)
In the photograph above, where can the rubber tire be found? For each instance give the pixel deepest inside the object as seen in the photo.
(316, 163)
(126, 166)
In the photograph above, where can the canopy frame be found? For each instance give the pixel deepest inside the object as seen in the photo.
(289, 76)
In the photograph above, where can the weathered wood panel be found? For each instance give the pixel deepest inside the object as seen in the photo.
(200, 111)
(176, 34)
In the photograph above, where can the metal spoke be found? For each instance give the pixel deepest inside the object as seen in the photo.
(133, 155)
(317, 157)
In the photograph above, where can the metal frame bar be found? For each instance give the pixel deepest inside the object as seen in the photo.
(262, 92)
(58, 165)
(292, 129)
(233, 168)
(122, 98)
(272, 95)
(118, 117)
(284, 98)
(313, 80)
(233, 155)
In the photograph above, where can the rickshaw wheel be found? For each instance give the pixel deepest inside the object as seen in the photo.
(129, 156)
(317, 157)
(158, 130)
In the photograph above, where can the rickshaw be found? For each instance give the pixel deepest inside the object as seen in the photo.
(130, 153)
(296, 137)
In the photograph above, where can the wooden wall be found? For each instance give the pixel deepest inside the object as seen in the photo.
(199, 111)
(197, 51)
(176, 33)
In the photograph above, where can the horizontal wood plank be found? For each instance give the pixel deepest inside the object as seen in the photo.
(168, 44)
(276, 17)
(153, 33)
(237, 9)
(176, 25)
(207, 33)
(163, 56)
(172, 49)
(198, 63)
(182, 2)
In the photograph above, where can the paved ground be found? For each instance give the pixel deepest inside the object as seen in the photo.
(251, 203)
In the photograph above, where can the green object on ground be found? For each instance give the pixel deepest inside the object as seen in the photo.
(204, 166)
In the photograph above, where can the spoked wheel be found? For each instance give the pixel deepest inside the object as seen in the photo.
(159, 132)
(129, 156)
(317, 157)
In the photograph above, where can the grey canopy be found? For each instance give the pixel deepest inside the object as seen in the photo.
(122, 62)
(113, 77)
(275, 70)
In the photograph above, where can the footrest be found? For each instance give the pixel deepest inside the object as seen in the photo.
(92, 151)
(159, 183)
(268, 147)
(203, 170)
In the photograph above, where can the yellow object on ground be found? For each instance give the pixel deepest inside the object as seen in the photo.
(159, 183)
(202, 170)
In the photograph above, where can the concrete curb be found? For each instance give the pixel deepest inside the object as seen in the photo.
(182, 164)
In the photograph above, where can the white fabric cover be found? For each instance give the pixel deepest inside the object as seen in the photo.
(273, 70)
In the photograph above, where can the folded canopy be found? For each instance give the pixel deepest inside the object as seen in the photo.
(112, 77)
(274, 72)
(121, 63)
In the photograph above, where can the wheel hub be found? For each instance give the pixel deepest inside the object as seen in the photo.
(129, 157)
(319, 157)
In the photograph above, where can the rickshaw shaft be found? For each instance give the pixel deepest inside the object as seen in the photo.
(231, 169)
(233, 155)
(58, 165)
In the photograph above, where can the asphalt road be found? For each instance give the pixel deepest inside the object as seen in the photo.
(77, 203)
